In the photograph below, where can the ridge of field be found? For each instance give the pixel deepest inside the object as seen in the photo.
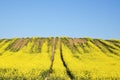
(57, 58)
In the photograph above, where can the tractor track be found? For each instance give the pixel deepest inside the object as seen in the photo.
(65, 65)
(52, 59)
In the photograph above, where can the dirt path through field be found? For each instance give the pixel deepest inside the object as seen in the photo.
(63, 61)
(52, 58)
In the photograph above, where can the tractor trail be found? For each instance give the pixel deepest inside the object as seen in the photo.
(65, 65)
(52, 58)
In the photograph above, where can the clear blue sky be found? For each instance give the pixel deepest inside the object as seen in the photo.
(74, 18)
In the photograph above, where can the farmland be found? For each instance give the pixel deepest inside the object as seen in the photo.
(59, 59)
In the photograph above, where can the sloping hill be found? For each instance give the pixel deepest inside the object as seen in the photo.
(59, 59)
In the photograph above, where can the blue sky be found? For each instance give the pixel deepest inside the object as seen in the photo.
(74, 18)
